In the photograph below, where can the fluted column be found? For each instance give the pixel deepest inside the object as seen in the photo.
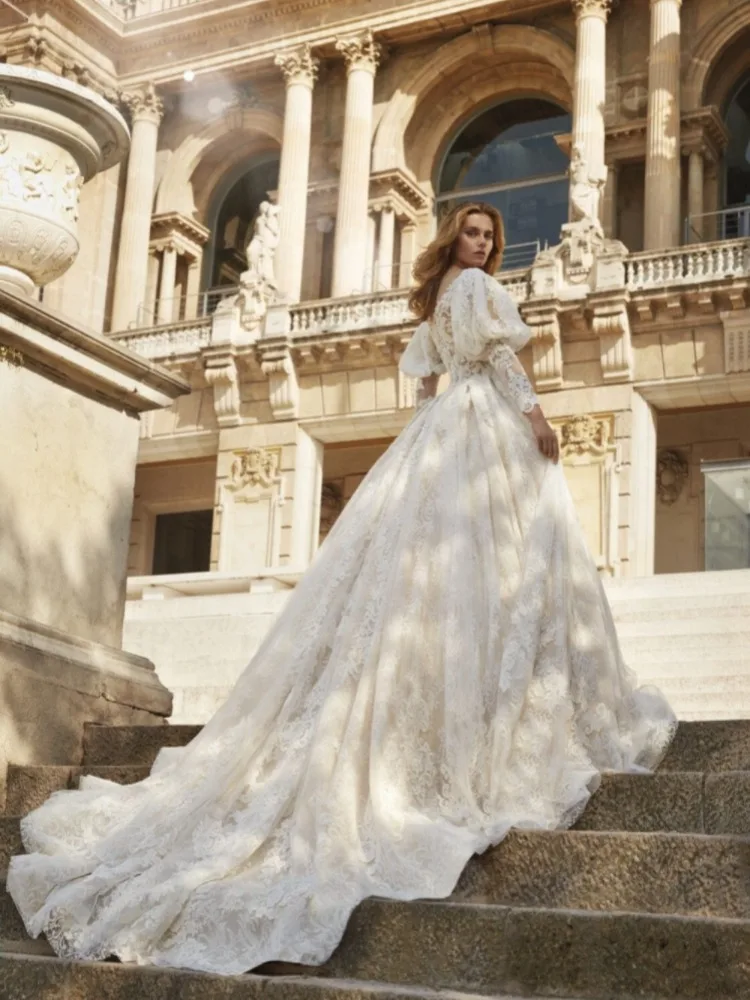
(300, 69)
(167, 284)
(362, 55)
(132, 258)
(589, 87)
(662, 199)
(695, 195)
(386, 244)
(407, 253)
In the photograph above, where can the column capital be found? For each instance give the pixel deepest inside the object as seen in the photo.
(360, 51)
(144, 104)
(592, 8)
(675, 3)
(298, 65)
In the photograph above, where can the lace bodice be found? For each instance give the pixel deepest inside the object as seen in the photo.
(475, 331)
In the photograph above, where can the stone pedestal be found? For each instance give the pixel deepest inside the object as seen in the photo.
(66, 492)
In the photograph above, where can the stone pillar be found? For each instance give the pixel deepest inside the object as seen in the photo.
(386, 244)
(132, 259)
(589, 87)
(662, 198)
(308, 482)
(193, 290)
(407, 253)
(362, 55)
(695, 196)
(609, 206)
(642, 489)
(367, 280)
(167, 284)
(300, 71)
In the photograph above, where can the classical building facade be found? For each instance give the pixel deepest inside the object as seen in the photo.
(614, 137)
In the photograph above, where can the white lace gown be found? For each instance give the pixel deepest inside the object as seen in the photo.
(446, 669)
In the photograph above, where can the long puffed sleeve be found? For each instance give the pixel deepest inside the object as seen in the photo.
(487, 326)
(421, 358)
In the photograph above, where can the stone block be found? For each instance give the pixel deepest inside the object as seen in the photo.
(640, 802)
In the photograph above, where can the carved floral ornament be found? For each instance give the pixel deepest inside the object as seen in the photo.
(585, 435)
(593, 8)
(298, 65)
(671, 475)
(144, 103)
(360, 52)
(255, 469)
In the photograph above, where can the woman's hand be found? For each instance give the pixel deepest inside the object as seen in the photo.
(545, 436)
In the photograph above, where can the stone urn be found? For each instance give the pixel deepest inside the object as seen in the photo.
(54, 136)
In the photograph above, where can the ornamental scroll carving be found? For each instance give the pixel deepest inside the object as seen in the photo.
(672, 472)
(255, 469)
(584, 434)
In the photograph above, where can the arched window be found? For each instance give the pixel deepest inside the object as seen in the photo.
(509, 156)
(736, 218)
(232, 216)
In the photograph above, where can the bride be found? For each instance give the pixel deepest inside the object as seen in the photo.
(447, 669)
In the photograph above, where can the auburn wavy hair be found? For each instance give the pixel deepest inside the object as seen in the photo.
(435, 260)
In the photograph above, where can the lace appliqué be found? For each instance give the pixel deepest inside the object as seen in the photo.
(508, 367)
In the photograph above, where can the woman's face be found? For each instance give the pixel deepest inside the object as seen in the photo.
(474, 243)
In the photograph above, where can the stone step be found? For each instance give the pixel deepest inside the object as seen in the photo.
(718, 627)
(727, 744)
(489, 949)
(30, 785)
(26, 978)
(710, 746)
(671, 801)
(666, 873)
(111, 745)
(653, 609)
(657, 873)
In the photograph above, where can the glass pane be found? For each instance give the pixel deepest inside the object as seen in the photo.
(533, 217)
(727, 540)
(182, 542)
(737, 156)
(510, 142)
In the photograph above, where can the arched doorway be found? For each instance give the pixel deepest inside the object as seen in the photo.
(736, 215)
(231, 217)
(509, 156)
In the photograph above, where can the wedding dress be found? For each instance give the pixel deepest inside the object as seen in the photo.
(446, 669)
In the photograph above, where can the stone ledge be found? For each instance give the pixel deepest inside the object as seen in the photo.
(84, 360)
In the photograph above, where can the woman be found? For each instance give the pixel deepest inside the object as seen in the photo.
(447, 669)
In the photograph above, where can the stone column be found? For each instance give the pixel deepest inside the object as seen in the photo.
(407, 253)
(362, 55)
(132, 259)
(167, 284)
(386, 243)
(193, 289)
(300, 71)
(367, 284)
(662, 198)
(609, 204)
(695, 196)
(589, 87)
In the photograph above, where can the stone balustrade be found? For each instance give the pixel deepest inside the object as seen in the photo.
(696, 264)
(698, 268)
(161, 343)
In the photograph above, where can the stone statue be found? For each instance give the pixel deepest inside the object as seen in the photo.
(586, 189)
(262, 247)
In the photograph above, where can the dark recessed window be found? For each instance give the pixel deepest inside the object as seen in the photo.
(182, 542)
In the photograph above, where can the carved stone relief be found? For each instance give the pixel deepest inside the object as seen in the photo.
(672, 472)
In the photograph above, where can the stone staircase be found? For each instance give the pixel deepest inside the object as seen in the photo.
(648, 898)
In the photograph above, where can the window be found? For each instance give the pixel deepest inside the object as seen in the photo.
(182, 542)
(736, 218)
(509, 156)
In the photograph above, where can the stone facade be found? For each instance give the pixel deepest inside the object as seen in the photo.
(638, 306)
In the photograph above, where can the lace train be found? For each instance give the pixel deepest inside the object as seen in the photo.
(447, 669)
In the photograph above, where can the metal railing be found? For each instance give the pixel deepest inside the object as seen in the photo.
(165, 312)
(728, 224)
(388, 277)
